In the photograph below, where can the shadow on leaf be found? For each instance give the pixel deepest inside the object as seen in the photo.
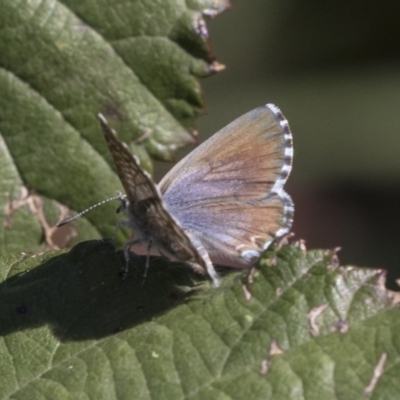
(81, 295)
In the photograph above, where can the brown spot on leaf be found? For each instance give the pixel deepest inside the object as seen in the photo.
(313, 316)
(378, 371)
(246, 292)
(272, 262)
(143, 137)
(394, 297)
(283, 240)
(264, 367)
(34, 202)
(275, 349)
(215, 67)
(341, 326)
(301, 244)
(251, 275)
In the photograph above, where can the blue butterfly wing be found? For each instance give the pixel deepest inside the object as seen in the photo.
(228, 192)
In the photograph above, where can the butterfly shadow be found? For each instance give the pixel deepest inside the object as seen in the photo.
(82, 294)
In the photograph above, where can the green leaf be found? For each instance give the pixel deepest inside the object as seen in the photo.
(61, 63)
(298, 326)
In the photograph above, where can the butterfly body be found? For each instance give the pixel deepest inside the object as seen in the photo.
(224, 203)
(146, 212)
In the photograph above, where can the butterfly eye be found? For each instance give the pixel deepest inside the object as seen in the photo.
(124, 203)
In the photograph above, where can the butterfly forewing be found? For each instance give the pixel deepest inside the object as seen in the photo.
(134, 179)
(245, 159)
(228, 192)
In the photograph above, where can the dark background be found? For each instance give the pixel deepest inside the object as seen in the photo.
(333, 68)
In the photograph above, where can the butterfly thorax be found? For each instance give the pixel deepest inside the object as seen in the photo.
(149, 226)
(136, 220)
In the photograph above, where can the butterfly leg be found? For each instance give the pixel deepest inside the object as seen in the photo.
(150, 242)
(120, 222)
(127, 246)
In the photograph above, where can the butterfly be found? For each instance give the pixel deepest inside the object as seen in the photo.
(223, 203)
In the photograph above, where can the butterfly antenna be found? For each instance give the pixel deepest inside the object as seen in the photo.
(65, 221)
